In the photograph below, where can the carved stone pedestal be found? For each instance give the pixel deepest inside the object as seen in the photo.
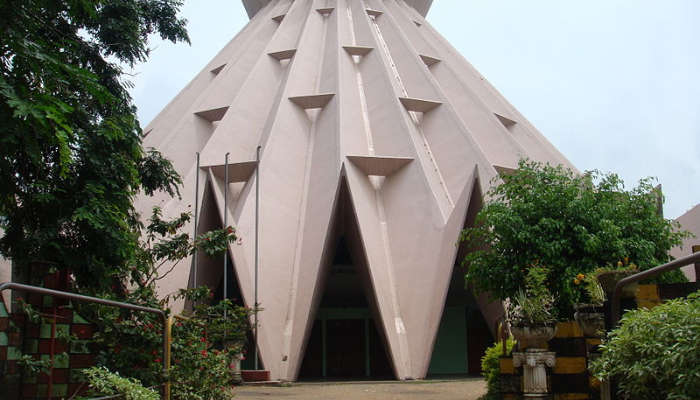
(534, 362)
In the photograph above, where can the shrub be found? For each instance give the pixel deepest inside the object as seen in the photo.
(569, 222)
(106, 383)
(491, 366)
(655, 354)
(205, 347)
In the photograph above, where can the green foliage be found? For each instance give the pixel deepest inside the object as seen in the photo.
(71, 159)
(32, 367)
(570, 223)
(131, 343)
(533, 305)
(590, 290)
(106, 383)
(205, 347)
(654, 354)
(491, 367)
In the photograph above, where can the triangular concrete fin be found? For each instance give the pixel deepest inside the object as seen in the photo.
(358, 50)
(279, 18)
(218, 69)
(429, 61)
(379, 166)
(419, 105)
(325, 11)
(507, 122)
(237, 172)
(283, 54)
(374, 13)
(312, 101)
(213, 115)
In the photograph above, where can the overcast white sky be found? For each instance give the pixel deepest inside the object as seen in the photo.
(614, 84)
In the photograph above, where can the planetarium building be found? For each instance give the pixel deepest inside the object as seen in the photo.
(360, 143)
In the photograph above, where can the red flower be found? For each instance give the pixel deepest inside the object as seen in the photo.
(203, 339)
(204, 353)
(157, 360)
(154, 352)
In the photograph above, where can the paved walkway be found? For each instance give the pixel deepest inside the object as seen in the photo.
(461, 389)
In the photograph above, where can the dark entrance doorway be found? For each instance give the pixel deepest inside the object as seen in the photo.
(346, 340)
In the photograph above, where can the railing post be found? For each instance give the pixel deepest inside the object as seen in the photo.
(696, 249)
(167, 342)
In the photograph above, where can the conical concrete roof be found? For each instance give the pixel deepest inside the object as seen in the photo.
(361, 93)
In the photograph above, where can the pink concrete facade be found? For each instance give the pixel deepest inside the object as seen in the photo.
(359, 94)
(690, 221)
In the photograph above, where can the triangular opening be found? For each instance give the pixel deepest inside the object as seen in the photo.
(374, 13)
(429, 61)
(237, 171)
(464, 334)
(379, 166)
(507, 122)
(218, 69)
(417, 23)
(312, 101)
(210, 270)
(278, 18)
(419, 105)
(283, 54)
(358, 50)
(213, 115)
(347, 338)
(325, 11)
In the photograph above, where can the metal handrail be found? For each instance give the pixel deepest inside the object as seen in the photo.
(79, 297)
(675, 264)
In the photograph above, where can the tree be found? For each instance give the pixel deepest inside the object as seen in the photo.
(570, 223)
(71, 159)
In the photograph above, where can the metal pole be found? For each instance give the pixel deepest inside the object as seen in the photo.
(225, 225)
(196, 217)
(257, 230)
(696, 249)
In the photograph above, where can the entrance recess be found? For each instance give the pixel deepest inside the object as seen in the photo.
(463, 335)
(346, 341)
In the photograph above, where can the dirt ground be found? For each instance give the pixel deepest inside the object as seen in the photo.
(461, 389)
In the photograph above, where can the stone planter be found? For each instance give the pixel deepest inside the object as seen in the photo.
(608, 280)
(236, 370)
(236, 364)
(591, 319)
(536, 336)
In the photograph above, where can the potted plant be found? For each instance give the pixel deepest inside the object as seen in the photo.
(589, 310)
(610, 275)
(530, 312)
